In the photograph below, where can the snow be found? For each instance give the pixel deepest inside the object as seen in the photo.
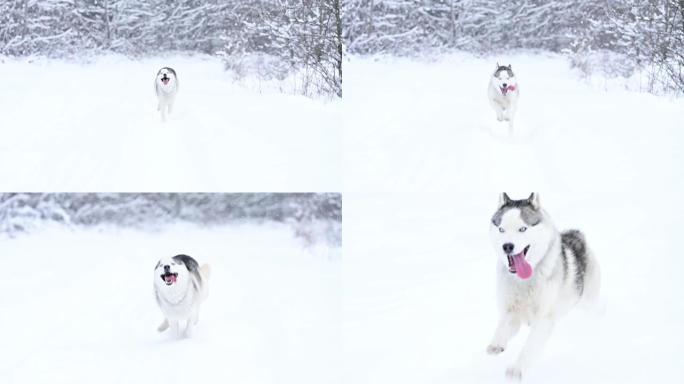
(93, 126)
(427, 126)
(78, 307)
(425, 160)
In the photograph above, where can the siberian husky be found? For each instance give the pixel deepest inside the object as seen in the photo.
(503, 93)
(166, 88)
(541, 273)
(180, 286)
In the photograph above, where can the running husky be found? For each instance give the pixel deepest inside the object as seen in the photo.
(542, 274)
(180, 286)
(503, 93)
(166, 87)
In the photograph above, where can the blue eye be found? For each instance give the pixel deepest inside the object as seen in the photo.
(522, 229)
(502, 230)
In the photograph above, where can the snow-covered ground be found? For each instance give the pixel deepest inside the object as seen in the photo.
(94, 127)
(77, 307)
(427, 126)
(425, 160)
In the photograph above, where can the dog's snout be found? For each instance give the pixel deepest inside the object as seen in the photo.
(167, 267)
(505, 85)
(508, 247)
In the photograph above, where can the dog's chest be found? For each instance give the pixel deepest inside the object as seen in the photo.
(504, 100)
(166, 91)
(522, 300)
(178, 304)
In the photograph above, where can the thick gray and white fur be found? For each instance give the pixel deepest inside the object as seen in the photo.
(180, 287)
(503, 93)
(166, 88)
(558, 271)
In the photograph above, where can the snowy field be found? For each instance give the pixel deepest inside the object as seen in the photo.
(94, 127)
(427, 126)
(78, 307)
(419, 270)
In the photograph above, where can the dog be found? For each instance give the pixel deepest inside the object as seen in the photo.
(180, 287)
(504, 93)
(541, 274)
(166, 88)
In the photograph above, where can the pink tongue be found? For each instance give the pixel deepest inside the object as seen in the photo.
(522, 268)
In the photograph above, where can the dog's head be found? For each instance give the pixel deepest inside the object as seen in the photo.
(504, 79)
(166, 77)
(171, 273)
(521, 234)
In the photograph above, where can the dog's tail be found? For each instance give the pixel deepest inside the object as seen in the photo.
(205, 270)
(592, 300)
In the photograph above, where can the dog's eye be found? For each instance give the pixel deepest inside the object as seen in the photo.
(502, 230)
(522, 229)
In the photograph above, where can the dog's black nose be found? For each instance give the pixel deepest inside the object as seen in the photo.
(508, 247)
(167, 267)
(505, 85)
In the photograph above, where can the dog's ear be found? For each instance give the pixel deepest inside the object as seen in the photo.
(534, 200)
(504, 199)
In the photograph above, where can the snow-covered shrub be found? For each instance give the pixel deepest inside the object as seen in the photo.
(317, 216)
(21, 212)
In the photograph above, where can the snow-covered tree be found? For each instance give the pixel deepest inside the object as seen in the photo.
(304, 35)
(20, 211)
(648, 33)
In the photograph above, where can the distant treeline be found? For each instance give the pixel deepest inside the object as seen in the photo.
(648, 33)
(304, 34)
(21, 210)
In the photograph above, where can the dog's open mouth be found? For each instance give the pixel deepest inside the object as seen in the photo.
(518, 265)
(506, 89)
(165, 80)
(169, 278)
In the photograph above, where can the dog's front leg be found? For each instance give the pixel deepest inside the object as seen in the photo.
(500, 112)
(164, 326)
(539, 333)
(510, 113)
(507, 328)
(510, 121)
(175, 327)
(189, 327)
(163, 111)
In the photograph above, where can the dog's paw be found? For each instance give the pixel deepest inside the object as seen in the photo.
(494, 349)
(514, 373)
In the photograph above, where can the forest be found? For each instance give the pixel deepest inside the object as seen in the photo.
(616, 36)
(301, 36)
